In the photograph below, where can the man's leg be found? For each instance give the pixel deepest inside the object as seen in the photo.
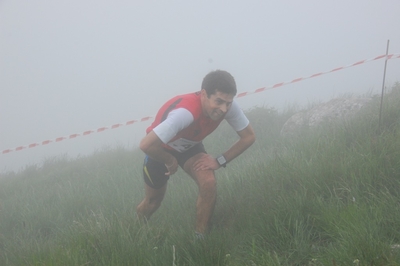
(151, 202)
(206, 199)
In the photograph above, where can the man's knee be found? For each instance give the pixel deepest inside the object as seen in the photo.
(148, 206)
(208, 184)
(153, 197)
(155, 202)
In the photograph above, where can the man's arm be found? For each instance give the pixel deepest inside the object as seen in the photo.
(151, 144)
(176, 120)
(246, 139)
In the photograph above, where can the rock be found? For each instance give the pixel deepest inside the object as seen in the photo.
(334, 110)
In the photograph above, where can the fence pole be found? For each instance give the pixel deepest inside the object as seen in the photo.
(383, 85)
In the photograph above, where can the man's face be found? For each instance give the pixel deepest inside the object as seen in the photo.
(216, 105)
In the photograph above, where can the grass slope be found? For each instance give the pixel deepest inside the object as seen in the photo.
(329, 196)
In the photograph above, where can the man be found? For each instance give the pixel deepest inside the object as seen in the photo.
(175, 138)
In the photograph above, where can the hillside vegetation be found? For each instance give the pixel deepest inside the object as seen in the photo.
(329, 196)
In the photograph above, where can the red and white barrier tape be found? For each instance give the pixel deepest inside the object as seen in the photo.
(72, 136)
(392, 56)
(131, 122)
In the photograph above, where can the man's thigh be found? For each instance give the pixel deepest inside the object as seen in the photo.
(188, 167)
(154, 173)
(200, 177)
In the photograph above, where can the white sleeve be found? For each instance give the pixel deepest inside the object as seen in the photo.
(176, 120)
(236, 118)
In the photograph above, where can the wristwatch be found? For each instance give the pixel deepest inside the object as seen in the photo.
(221, 160)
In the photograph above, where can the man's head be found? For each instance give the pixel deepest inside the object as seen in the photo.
(217, 92)
(219, 80)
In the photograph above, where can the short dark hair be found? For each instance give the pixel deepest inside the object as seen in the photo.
(219, 80)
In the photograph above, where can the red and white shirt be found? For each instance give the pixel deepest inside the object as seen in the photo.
(181, 124)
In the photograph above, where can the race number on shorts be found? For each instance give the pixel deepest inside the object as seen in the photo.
(182, 145)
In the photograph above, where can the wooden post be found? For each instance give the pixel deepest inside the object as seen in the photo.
(383, 84)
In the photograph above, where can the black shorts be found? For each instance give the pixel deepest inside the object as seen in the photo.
(154, 171)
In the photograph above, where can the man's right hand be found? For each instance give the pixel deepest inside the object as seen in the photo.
(172, 166)
(151, 145)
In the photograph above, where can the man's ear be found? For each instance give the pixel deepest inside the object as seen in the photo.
(204, 94)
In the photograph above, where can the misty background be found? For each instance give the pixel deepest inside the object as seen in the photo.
(67, 67)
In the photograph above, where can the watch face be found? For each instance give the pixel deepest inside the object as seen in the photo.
(221, 160)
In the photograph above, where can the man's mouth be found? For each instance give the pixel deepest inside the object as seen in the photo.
(217, 114)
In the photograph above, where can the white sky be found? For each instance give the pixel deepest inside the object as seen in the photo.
(70, 66)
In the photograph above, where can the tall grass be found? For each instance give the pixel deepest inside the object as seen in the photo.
(328, 196)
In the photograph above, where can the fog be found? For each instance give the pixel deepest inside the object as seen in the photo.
(71, 66)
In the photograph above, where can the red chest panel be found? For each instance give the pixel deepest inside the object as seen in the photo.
(201, 126)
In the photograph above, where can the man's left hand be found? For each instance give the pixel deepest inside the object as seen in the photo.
(206, 162)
